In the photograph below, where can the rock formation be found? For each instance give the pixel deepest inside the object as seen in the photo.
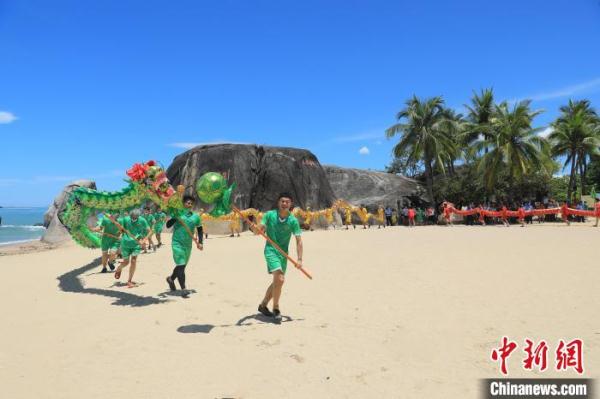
(359, 186)
(260, 174)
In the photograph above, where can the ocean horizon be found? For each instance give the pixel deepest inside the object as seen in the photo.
(21, 224)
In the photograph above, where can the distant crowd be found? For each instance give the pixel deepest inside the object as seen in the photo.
(470, 214)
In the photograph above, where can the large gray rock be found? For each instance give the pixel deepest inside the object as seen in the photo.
(358, 186)
(55, 231)
(260, 173)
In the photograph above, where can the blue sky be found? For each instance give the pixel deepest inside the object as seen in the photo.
(87, 88)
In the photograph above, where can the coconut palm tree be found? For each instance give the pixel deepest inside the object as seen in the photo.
(425, 135)
(478, 119)
(455, 131)
(514, 145)
(576, 136)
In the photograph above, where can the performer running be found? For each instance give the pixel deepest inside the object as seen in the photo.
(380, 217)
(181, 243)
(149, 217)
(521, 215)
(348, 218)
(235, 225)
(159, 222)
(279, 225)
(109, 243)
(135, 225)
(504, 216)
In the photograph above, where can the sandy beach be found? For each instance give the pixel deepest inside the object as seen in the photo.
(396, 312)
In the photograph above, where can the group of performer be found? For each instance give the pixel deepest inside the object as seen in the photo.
(127, 235)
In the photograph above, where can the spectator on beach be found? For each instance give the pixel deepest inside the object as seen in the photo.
(420, 216)
(411, 217)
(430, 214)
(405, 216)
(388, 215)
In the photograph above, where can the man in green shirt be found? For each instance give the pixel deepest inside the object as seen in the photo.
(159, 222)
(183, 224)
(279, 225)
(149, 217)
(110, 241)
(136, 230)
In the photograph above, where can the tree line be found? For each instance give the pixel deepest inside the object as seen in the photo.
(494, 151)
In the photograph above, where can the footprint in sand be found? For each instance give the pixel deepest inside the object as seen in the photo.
(269, 344)
(297, 358)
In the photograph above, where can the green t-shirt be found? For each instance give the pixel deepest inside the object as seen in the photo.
(280, 231)
(108, 226)
(139, 229)
(149, 219)
(180, 233)
(159, 217)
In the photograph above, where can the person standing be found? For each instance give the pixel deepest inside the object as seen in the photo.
(388, 215)
(411, 216)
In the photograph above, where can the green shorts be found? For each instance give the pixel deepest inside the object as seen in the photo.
(126, 252)
(181, 253)
(275, 261)
(158, 228)
(109, 244)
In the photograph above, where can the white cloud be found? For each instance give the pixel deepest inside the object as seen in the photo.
(7, 117)
(189, 145)
(546, 132)
(363, 151)
(586, 87)
(359, 137)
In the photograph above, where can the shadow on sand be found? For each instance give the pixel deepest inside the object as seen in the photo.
(244, 321)
(71, 282)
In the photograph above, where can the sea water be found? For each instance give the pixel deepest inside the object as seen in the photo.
(19, 225)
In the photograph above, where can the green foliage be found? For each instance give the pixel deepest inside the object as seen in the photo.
(501, 155)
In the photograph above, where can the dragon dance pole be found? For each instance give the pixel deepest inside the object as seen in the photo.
(187, 229)
(121, 227)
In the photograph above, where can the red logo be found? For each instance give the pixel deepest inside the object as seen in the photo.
(568, 355)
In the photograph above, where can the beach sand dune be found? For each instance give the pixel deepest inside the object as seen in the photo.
(397, 312)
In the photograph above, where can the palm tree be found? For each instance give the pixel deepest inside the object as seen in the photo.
(455, 131)
(478, 120)
(576, 136)
(514, 145)
(424, 131)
